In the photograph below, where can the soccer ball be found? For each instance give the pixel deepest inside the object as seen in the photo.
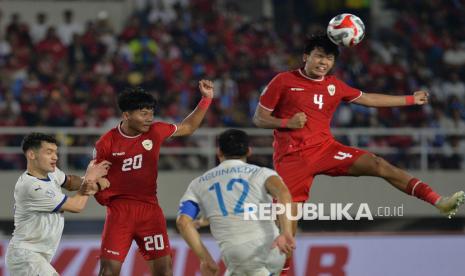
(346, 29)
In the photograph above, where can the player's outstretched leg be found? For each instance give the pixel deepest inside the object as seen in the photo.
(372, 165)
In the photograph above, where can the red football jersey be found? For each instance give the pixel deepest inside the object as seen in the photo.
(134, 162)
(291, 92)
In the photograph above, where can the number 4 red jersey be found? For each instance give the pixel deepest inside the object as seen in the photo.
(292, 92)
(134, 162)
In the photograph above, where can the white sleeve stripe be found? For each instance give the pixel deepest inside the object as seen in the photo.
(175, 129)
(361, 93)
(264, 107)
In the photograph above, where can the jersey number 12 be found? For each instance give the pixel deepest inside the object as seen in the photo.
(239, 208)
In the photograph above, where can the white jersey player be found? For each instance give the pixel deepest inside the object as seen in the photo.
(248, 247)
(39, 203)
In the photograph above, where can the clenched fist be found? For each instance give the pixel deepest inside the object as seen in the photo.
(421, 97)
(206, 88)
(297, 121)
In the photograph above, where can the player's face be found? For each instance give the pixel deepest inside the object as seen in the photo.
(46, 157)
(318, 63)
(140, 120)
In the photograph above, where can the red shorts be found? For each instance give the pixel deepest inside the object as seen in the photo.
(129, 220)
(299, 168)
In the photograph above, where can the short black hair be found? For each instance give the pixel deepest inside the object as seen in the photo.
(134, 99)
(321, 41)
(234, 143)
(35, 139)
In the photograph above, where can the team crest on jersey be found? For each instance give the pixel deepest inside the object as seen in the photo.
(147, 144)
(331, 89)
(50, 193)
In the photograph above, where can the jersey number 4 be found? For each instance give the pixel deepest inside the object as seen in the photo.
(239, 208)
(318, 100)
(132, 163)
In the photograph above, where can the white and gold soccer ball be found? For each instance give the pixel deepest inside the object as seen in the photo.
(346, 30)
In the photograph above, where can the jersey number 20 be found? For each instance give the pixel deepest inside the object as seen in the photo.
(132, 163)
(239, 208)
(154, 243)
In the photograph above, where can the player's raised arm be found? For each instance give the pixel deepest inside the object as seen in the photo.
(382, 100)
(190, 234)
(194, 119)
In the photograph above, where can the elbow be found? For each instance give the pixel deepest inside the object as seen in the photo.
(77, 209)
(284, 196)
(188, 129)
(191, 131)
(181, 223)
(256, 120)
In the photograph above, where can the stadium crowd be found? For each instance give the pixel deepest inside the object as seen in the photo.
(69, 74)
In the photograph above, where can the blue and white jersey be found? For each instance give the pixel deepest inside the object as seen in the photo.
(38, 222)
(220, 194)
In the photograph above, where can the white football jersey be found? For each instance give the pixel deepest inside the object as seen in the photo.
(221, 193)
(38, 221)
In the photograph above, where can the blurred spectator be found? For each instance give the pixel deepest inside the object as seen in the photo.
(69, 27)
(69, 75)
(454, 86)
(52, 46)
(39, 28)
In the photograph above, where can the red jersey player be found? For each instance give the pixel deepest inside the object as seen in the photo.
(299, 105)
(133, 149)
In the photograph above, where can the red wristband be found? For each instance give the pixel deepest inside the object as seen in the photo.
(204, 103)
(283, 123)
(409, 100)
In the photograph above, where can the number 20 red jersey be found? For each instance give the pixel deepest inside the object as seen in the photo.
(134, 162)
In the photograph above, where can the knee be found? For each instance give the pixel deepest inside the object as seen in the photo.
(382, 168)
(109, 268)
(165, 271)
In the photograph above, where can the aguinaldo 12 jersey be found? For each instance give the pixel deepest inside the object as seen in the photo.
(293, 92)
(221, 194)
(134, 162)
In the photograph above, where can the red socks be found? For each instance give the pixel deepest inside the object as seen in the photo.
(421, 190)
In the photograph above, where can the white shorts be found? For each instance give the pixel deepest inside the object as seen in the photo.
(21, 262)
(253, 258)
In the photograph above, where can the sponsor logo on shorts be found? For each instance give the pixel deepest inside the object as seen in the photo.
(111, 252)
(342, 155)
